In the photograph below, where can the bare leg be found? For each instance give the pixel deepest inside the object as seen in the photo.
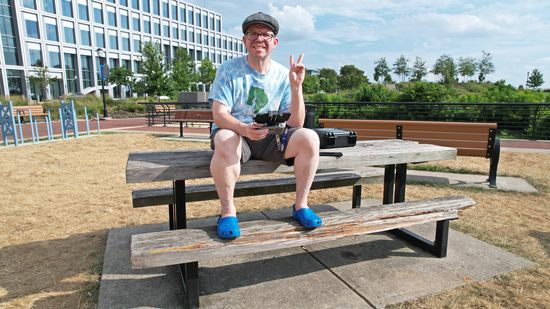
(225, 168)
(304, 147)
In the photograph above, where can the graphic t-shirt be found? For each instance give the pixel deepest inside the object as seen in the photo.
(247, 92)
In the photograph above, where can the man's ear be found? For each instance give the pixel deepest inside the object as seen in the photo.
(275, 41)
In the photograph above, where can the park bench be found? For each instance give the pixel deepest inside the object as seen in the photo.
(25, 111)
(192, 116)
(186, 247)
(155, 110)
(469, 138)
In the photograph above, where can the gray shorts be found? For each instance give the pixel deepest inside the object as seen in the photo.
(265, 149)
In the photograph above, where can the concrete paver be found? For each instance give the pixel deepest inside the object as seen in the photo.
(358, 272)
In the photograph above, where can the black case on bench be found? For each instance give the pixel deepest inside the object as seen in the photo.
(335, 138)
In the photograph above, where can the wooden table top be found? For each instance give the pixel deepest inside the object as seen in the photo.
(152, 166)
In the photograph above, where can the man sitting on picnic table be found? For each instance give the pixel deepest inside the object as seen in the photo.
(247, 86)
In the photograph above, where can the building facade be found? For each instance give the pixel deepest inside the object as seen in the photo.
(71, 37)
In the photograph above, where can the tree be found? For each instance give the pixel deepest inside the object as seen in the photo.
(485, 66)
(467, 67)
(207, 73)
(446, 68)
(419, 70)
(183, 71)
(155, 80)
(535, 79)
(381, 70)
(328, 80)
(121, 76)
(401, 68)
(42, 79)
(351, 77)
(311, 84)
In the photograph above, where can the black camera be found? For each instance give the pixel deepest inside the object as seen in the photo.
(273, 120)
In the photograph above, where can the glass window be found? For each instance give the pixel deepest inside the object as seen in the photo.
(35, 54)
(190, 18)
(137, 67)
(100, 39)
(68, 31)
(156, 26)
(183, 16)
(124, 2)
(135, 4)
(205, 39)
(31, 4)
(98, 13)
(191, 36)
(183, 33)
(113, 40)
(86, 66)
(67, 8)
(205, 21)
(219, 25)
(124, 21)
(137, 44)
(112, 1)
(83, 10)
(145, 6)
(165, 9)
(111, 17)
(54, 57)
(174, 11)
(55, 88)
(49, 6)
(198, 18)
(31, 23)
(146, 26)
(85, 38)
(175, 32)
(70, 73)
(51, 30)
(135, 23)
(166, 30)
(211, 23)
(156, 7)
(198, 37)
(125, 43)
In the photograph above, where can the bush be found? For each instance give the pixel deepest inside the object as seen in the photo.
(375, 93)
(426, 92)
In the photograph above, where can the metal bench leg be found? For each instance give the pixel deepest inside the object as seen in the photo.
(356, 198)
(181, 128)
(495, 156)
(389, 182)
(171, 212)
(189, 271)
(400, 183)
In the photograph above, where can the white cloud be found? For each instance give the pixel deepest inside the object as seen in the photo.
(295, 23)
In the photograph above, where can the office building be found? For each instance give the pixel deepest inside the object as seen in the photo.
(69, 36)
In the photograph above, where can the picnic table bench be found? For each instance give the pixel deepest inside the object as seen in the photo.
(475, 139)
(186, 247)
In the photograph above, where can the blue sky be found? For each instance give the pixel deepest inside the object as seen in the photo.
(335, 33)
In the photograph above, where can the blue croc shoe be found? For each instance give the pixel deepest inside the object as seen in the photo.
(228, 228)
(306, 217)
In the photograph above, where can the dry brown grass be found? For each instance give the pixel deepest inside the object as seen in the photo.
(60, 199)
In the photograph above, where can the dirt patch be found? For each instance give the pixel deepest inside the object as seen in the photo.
(61, 198)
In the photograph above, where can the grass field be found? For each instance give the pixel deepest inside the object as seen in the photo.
(60, 199)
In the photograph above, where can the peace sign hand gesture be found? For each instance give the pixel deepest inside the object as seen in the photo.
(297, 71)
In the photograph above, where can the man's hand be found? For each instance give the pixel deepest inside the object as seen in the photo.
(255, 131)
(297, 71)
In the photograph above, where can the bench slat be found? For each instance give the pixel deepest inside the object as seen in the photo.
(194, 193)
(190, 245)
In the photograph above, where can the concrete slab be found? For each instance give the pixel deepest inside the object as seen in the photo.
(359, 272)
(468, 180)
(386, 270)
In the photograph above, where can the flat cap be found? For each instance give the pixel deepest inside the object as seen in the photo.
(261, 18)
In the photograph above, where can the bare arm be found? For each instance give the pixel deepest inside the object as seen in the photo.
(224, 120)
(297, 108)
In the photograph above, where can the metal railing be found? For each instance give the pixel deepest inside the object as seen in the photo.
(515, 120)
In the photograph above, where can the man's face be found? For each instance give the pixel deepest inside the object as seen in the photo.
(259, 41)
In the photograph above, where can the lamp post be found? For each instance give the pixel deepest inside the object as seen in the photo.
(103, 74)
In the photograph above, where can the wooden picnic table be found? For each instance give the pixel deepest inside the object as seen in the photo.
(394, 155)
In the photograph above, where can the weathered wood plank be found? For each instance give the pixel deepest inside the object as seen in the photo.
(194, 193)
(189, 245)
(185, 164)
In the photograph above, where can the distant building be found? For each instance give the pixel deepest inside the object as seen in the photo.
(65, 35)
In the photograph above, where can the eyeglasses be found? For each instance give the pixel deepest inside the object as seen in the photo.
(264, 36)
